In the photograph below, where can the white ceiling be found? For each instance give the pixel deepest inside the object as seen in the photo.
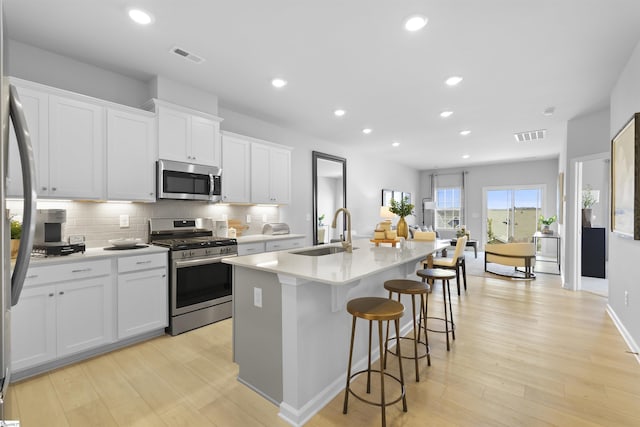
(517, 58)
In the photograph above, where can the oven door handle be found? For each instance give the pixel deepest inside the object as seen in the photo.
(201, 261)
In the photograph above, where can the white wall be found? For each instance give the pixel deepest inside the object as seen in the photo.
(543, 172)
(31, 63)
(595, 173)
(625, 253)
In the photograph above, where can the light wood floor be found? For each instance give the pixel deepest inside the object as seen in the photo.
(526, 354)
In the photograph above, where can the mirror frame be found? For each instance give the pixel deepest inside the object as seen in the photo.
(316, 155)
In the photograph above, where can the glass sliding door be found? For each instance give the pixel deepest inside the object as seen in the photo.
(511, 213)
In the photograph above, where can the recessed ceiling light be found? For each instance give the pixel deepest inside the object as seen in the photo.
(415, 23)
(278, 82)
(395, 144)
(446, 114)
(465, 132)
(139, 16)
(453, 80)
(339, 112)
(465, 156)
(366, 131)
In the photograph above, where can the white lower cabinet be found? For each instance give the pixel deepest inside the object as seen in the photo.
(69, 308)
(63, 309)
(270, 246)
(142, 295)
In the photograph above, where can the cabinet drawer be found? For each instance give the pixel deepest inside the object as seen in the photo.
(66, 272)
(281, 245)
(250, 248)
(141, 262)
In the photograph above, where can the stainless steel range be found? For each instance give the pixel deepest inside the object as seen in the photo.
(199, 282)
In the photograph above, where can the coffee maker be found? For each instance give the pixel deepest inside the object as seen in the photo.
(49, 230)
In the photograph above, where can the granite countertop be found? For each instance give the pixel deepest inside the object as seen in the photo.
(255, 238)
(339, 268)
(94, 253)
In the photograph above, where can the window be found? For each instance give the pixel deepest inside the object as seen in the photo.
(448, 207)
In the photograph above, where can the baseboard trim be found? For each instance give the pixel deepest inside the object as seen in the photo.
(633, 346)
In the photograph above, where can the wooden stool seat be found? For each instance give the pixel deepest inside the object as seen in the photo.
(413, 288)
(431, 275)
(405, 286)
(375, 308)
(379, 310)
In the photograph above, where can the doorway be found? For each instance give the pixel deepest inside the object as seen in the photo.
(511, 213)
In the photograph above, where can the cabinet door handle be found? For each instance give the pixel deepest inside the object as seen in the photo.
(143, 262)
(33, 276)
(51, 294)
(164, 275)
(53, 188)
(81, 270)
(44, 188)
(61, 293)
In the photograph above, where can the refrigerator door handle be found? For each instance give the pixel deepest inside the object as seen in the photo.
(30, 196)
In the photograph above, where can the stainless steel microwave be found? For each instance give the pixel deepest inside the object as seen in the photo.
(187, 181)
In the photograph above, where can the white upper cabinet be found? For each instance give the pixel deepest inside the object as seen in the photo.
(270, 174)
(236, 163)
(76, 149)
(186, 135)
(68, 139)
(36, 110)
(131, 155)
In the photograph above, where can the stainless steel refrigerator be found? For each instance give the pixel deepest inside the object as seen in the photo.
(12, 278)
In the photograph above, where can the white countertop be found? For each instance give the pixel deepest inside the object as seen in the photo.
(94, 253)
(340, 268)
(255, 238)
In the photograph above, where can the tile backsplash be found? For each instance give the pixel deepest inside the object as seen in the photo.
(100, 222)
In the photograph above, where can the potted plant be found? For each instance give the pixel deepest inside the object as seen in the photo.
(589, 198)
(16, 234)
(402, 208)
(547, 222)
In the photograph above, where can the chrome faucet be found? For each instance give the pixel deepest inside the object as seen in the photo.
(345, 244)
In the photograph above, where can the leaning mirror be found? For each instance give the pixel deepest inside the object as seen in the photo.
(329, 194)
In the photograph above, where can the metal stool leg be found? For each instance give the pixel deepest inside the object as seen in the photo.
(346, 390)
(453, 325)
(382, 401)
(446, 318)
(416, 336)
(369, 364)
(424, 298)
(402, 387)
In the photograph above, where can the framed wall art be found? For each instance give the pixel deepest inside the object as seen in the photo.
(625, 185)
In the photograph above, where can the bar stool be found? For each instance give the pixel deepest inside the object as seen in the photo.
(431, 275)
(380, 310)
(413, 288)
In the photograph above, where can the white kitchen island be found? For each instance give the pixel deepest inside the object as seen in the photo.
(291, 330)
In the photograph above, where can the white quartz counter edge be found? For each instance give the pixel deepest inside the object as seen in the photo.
(94, 253)
(255, 238)
(340, 268)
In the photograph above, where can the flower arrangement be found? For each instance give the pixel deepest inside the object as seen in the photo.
(320, 219)
(547, 221)
(402, 208)
(589, 197)
(16, 229)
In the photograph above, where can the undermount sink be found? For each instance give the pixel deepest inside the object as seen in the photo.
(327, 250)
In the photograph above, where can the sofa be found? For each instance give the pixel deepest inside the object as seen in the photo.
(521, 255)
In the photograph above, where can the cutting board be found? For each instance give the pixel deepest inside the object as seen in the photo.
(238, 225)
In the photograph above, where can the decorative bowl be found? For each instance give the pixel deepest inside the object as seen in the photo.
(124, 243)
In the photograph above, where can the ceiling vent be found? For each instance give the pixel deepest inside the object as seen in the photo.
(530, 136)
(187, 55)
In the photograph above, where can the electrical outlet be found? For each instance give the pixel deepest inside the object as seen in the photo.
(248, 219)
(626, 298)
(257, 297)
(124, 221)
